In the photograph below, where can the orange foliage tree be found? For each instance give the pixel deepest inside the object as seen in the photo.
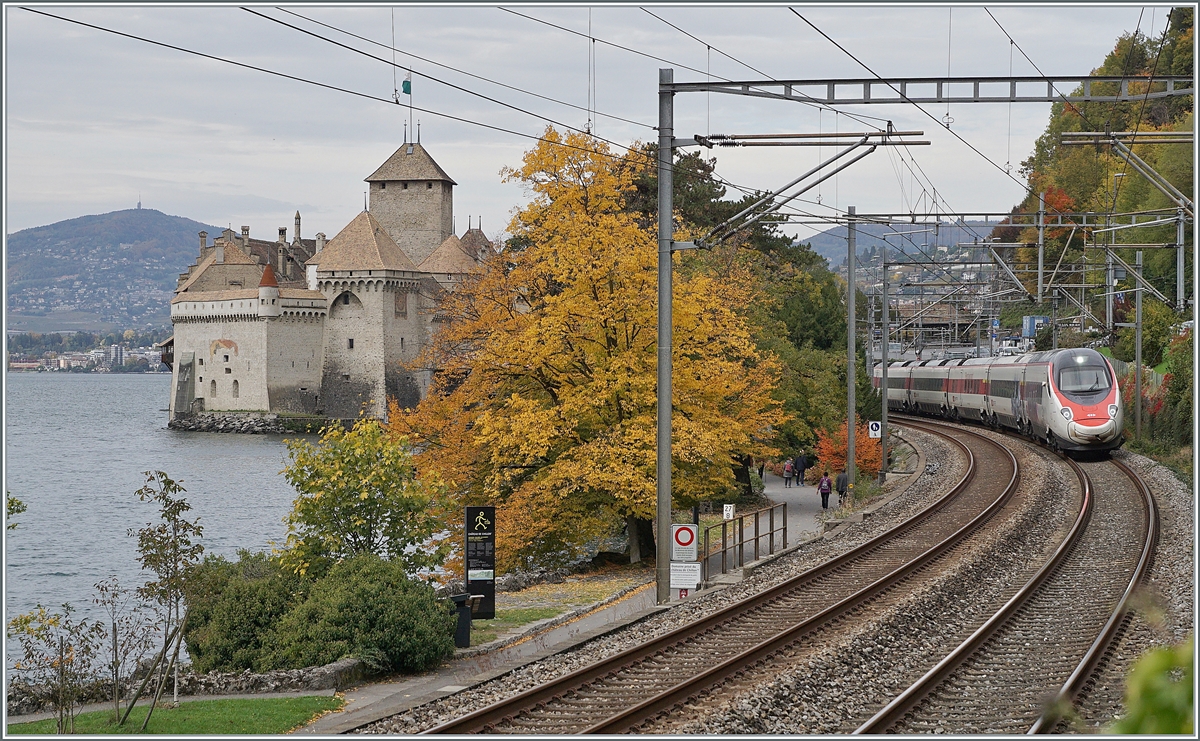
(831, 450)
(544, 401)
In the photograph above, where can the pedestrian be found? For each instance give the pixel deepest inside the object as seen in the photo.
(801, 466)
(787, 473)
(824, 486)
(842, 481)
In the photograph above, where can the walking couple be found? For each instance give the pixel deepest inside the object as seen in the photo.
(793, 468)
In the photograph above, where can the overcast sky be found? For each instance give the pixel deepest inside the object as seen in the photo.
(92, 119)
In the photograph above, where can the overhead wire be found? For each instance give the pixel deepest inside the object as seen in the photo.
(464, 72)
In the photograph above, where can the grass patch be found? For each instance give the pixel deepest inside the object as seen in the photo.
(269, 715)
(484, 631)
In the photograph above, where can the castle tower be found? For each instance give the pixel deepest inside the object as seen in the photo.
(413, 199)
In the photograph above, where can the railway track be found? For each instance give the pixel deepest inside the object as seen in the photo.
(633, 687)
(1023, 668)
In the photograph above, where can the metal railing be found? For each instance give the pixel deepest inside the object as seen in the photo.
(734, 541)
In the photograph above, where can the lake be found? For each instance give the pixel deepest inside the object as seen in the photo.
(75, 447)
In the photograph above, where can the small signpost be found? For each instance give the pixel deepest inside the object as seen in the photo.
(480, 532)
(729, 511)
(874, 428)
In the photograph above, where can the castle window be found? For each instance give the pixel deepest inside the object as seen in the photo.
(351, 345)
(213, 388)
(403, 186)
(383, 186)
(346, 299)
(345, 376)
(201, 379)
(228, 371)
(201, 361)
(401, 343)
(428, 186)
(226, 358)
(235, 389)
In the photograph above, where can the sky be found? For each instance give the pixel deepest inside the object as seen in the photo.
(95, 121)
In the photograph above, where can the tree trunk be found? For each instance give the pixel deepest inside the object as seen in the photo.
(641, 538)
(154, 666)
(741, 472)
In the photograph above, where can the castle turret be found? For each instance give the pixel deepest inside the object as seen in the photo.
(296, 240)
(268, 294)
(412, 197)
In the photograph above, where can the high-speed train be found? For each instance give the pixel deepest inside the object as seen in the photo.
(1067, 398)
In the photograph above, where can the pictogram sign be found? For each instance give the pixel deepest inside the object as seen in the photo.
(683, 542)
(874, 429)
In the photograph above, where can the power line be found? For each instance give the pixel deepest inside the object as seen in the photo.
(326, 86)
(757, 71)
(464, 72)
(443, 82)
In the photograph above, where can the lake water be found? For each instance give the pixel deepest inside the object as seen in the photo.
(76, 445)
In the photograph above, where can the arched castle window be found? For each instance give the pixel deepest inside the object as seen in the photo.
(235, 389)
(212, 388)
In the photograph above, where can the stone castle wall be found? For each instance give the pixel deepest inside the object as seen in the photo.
(418, 218)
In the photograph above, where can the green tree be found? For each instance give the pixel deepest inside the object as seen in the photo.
(359, 493)
(12, 508)
(58, 658)
(1157, 323)
(1158, 693)
(169, 549)
(126, 636)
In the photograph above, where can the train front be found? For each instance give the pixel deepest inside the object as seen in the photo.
(1086, 405)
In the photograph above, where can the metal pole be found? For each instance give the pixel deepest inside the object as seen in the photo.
(1041, 241)
(1179, 258)
(851, 249)
(666, 133)
(1109, 284)
(1137, 361)
(886, 335)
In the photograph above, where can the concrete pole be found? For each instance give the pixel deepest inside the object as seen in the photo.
(1137, 360)
(851, 258)
(883, 382)
(1041, 242)
(666, 133)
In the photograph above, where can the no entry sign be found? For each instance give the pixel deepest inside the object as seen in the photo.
(683, 542)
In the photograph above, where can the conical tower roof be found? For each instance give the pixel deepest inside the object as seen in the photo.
(268, 279)
(362, 245)
(449, 257)
(410, 162)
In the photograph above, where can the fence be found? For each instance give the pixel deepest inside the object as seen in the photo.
(1151, 380)
(731, 553)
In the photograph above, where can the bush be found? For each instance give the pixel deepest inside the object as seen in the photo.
(369, 609)
(234, 607)
(1158, 693)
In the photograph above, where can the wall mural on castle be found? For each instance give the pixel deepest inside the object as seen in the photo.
(334, 327)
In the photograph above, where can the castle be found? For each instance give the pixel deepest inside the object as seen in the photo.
(323, 327)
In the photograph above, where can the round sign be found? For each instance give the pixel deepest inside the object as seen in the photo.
(684, 536)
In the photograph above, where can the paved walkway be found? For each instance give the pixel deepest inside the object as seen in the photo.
(803, 505)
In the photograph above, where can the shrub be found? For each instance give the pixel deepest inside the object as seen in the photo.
(367, 608)
(234, 608)
(1158, 693)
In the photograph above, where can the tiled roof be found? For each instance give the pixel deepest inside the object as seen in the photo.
(233, 256)
(268, 279)
(476, 243)
(415, 166)
(362, 245)
(449, 257)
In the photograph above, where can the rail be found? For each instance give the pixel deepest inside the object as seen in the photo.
(732, 549)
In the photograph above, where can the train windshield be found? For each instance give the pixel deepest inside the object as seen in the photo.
(1082, 372)
(1084, 379)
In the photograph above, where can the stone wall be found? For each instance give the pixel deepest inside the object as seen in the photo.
(249, 424)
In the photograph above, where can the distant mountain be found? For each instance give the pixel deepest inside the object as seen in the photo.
(831, 243)
(114, 270)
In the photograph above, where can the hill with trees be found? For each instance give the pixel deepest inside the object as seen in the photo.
(98, 272)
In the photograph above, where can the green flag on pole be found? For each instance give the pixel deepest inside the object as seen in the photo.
(406, 87)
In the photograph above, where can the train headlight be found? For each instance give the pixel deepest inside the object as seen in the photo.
(1066, 413)
(1112, 411)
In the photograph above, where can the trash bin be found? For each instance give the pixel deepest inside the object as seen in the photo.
(464, 605)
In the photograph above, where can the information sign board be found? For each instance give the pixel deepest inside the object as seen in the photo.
(874, 428)
(480, 534)
(685, 575)
(683, 542)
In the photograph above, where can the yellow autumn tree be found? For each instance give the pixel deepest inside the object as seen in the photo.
(544, 399)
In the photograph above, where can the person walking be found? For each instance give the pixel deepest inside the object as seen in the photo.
(787, 473)
(842, 481)
(801, 465)
(824, 486)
